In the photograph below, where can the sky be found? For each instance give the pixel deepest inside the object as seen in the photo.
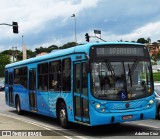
(49, 22)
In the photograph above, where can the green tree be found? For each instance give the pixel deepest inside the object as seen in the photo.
(19, 56)
(156, 57)
(7, 52)
(4, 60)
(52, 47)
(149, 40)
(68, 45)
(44, 49)
(30, 54)
(142, 40)
(39, 50)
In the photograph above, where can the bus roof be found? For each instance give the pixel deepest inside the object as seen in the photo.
(79, 48)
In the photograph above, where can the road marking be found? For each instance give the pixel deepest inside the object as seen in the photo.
(43, 126)
(144, 125)
(149, 126)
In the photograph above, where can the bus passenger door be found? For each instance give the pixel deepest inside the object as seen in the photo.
(81, 106)
(32, 90)
(11, 98)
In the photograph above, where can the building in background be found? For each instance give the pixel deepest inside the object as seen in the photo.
(154, 48)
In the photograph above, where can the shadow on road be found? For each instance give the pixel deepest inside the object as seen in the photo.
(121, 129)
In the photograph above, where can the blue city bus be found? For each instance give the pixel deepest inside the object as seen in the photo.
(91, 84)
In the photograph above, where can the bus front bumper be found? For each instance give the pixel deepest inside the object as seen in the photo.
(97, 118)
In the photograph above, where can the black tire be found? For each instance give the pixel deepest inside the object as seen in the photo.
(158, 112)
(18, 106)
(63, 116)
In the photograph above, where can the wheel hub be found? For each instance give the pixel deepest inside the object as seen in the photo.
(62, 115)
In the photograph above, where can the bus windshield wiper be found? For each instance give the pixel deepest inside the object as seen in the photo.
(130, 75)
(110, 68)
(125, 81)
(132, 69)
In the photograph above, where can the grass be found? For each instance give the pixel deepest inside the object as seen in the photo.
(156, 76)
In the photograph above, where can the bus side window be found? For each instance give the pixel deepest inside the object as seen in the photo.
(43, 77)
(77, 78)
(20, 76)
(84, 80)
(6, 77)
(66, 74)
(55, 75)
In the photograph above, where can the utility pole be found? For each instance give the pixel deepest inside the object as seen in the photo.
(14, 54)
(75, 28)
(24, 53)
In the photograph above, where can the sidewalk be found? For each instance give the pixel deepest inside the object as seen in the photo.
(11, 127)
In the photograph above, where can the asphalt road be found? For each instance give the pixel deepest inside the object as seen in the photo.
(48, 127)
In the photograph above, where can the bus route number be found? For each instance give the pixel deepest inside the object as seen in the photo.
(100, 51)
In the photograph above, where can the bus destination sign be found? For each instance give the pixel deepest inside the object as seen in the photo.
(119, 51)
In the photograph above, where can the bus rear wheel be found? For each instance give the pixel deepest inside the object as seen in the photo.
(158, 113)
(62, 115)
(18, 106)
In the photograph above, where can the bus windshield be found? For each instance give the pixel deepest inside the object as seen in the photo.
(121, 80)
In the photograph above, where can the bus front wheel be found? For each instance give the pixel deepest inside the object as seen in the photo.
(62, 115)
(18, 106)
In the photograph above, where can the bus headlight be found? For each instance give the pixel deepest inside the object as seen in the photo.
(151, 101)
(98, 107)
(103, 110)
(149, 104)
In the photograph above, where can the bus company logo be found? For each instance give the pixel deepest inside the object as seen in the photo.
(6, 133)
(127, 105)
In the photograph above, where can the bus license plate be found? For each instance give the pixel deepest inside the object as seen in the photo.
(127, 117)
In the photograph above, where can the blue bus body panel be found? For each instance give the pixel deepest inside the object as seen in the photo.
(42, 103)
(102, 119)
(23, 94)
(141, 112)
(68, 97)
